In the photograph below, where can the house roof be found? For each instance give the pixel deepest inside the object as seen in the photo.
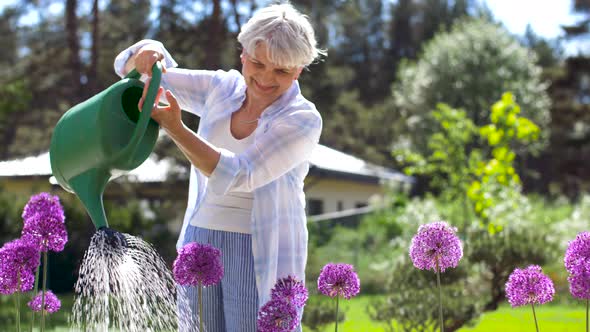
(153, 170)
(334, 161)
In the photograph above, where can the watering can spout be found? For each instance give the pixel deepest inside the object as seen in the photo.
(89, 186)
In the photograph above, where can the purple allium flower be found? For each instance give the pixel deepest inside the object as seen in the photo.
(198, 263)
(291, 290)
(18, 259)
(578, 253)
(44, 223)
(579, 281)
(529, 286)
(9, 281)
(338, 280)
(52, 303)
(46, 233)
(434, 242)
(277, 316)
(44, 205)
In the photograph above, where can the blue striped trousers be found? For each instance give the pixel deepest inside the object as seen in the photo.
(231, 305)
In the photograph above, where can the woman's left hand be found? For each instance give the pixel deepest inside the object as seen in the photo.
(168, 116)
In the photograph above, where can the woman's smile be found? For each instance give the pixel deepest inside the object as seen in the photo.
(264, 88)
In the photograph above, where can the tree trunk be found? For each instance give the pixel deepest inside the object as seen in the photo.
(75, 66)
(94, 55)
(238, 23)
(213, 56)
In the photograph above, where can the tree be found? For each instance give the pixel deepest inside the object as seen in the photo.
(581, 28)
(550, 53)
(8, 37)
(482, 180)
(450, 160)
(74, 64)
(468, 68)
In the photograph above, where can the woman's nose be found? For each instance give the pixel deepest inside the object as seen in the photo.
(267, 78)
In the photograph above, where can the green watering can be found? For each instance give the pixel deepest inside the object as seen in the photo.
(102, 135)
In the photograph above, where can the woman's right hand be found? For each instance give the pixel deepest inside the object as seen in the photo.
(146, 57)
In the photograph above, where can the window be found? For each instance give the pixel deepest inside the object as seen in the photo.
(315, 207)
(359, 205)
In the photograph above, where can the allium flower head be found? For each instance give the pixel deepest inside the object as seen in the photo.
(579, 281)
(277, 316)
(18, 260)
(290, 290)
(52, 303)
(45, 206)
(338, 280)
(434, 242)
(577, 254)
(198, 263)
(44, 224)
(529, 286)
(46, 233)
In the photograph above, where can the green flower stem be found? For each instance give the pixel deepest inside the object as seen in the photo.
(535, 317)
(18, 303)
(43, 293)
(200, 307)
(440, 311)
(336, 321)
(35, 291)
(587, 300)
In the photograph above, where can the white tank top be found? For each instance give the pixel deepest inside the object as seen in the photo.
(231, 212)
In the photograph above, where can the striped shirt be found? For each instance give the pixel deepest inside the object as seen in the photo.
(272, 168)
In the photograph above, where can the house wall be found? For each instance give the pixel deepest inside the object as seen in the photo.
(338, 195)
(334, 194)
(25, 185)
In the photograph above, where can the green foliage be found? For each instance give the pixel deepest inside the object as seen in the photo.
(370, 136)
(497, 176)
(320, 311)
(356, 247)
(466, 68)
(549, 52)
(52, 321)
(519, 244)
(11, 209)
(412, 299)
(449, 161)
(479, 179)
(15, 99)
(477, 284)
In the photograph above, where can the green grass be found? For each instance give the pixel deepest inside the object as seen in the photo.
(554, 318)
(551, 318)
(357, 318)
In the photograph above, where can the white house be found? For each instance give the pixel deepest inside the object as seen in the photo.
(337, 184)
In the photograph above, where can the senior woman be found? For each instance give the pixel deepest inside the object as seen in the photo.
(249, 158)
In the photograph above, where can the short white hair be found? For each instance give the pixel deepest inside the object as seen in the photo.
(289, 36)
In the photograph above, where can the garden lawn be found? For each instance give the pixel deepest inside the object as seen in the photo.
(551, 318)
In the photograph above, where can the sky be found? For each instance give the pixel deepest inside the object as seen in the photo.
(544, 16)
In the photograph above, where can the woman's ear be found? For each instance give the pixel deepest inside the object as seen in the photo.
(298, 73)
(242, 57)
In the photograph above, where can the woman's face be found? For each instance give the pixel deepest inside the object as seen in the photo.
(266, 81)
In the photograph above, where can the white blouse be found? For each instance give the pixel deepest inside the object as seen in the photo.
(232, 211)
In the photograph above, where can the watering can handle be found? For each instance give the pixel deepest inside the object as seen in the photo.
(146, 110)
